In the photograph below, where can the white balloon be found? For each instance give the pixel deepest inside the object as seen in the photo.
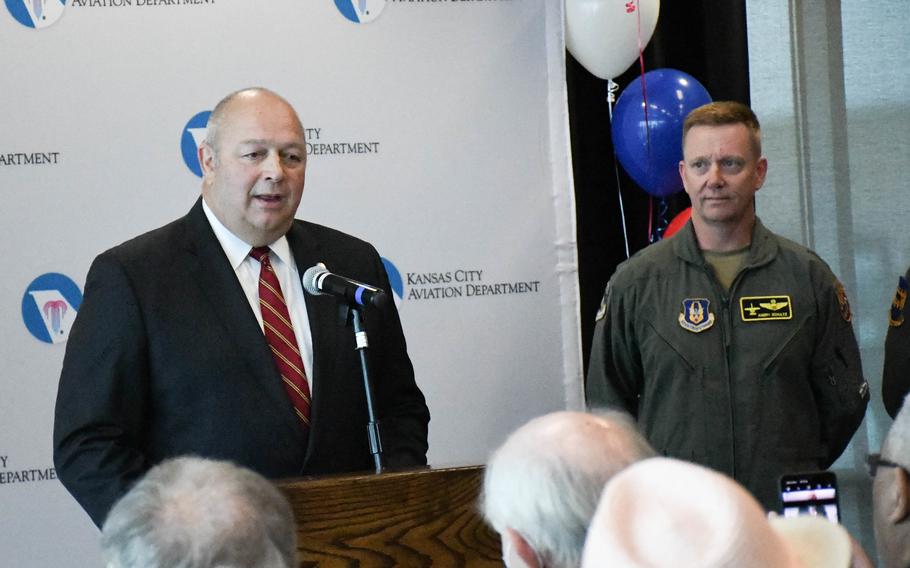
(603, 34)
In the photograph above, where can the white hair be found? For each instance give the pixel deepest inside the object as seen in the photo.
(198, 513)
(544, 482)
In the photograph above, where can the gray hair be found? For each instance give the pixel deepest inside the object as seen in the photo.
(198, 513)
(896, 446)
(545, 481)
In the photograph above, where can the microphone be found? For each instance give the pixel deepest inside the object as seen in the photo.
(317, 281)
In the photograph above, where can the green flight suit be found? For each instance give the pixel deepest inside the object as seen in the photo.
(756, 382)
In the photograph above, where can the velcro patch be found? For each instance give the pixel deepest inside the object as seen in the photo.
(602, 310)
(896, 316)
(842, 303)
(696, 315)
(766, 308)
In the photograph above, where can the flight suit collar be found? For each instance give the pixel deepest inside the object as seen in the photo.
(763, 249)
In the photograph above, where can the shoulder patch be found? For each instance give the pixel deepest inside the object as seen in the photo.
(602, 311)
(842, 301)
(896, 316)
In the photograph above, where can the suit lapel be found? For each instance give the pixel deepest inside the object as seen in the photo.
(322, 312)
(228, 307)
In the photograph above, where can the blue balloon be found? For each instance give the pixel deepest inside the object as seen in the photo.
(650, 150)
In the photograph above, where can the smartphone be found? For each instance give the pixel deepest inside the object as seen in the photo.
(813, 493)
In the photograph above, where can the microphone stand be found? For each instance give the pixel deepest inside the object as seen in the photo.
(361, 345)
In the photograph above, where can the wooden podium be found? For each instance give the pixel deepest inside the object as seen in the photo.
(427, 517)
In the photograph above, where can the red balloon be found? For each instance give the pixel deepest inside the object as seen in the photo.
(678, 222)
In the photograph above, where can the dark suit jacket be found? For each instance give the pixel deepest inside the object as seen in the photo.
(166, 358)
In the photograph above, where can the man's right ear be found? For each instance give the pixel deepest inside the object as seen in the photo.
(523, 549)
(901, 506)
(206, 155)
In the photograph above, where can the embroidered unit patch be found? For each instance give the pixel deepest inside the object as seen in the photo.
(896, 316)
(695, 315)
(842, 301)
(602, 310)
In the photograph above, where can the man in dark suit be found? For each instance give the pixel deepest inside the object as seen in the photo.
(171, 353)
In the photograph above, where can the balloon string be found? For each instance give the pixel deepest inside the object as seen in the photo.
(612, 87)
(641, 48)
(656, 233)
(644, 96)
(662, 222)
(650, 219)
(644, 86)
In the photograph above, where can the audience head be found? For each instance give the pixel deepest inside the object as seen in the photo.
(891, 493)
(542, 485)
(668, 513)
(199, 513)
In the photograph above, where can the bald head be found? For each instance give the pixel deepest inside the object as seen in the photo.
(891, 493)
(572, 437)
(664, 512)
(545, 480)
(897, 443)
(227, 104)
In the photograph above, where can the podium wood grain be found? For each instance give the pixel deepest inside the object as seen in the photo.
(426, 517)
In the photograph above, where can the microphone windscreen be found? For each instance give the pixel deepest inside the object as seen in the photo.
(310, 277)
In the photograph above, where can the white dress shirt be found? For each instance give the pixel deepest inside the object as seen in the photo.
(247, 270)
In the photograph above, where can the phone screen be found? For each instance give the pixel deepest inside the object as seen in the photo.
(809, 494)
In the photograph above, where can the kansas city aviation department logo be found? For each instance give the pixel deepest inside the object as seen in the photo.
(49, 307)
(360, 11)
(191, 139)
(36, 13)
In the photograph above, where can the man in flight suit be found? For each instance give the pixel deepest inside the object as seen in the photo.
(730, 345)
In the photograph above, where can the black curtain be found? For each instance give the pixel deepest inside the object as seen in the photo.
(704, 38)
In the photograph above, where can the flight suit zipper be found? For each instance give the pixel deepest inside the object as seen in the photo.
(729, 310)
(727, 337)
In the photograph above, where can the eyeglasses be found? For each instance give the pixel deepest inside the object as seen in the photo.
(875, 461)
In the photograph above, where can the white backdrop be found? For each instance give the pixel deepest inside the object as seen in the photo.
(439, 133)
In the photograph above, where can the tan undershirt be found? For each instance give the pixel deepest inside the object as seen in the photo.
(726, 265)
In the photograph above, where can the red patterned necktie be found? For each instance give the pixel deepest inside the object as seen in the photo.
(279, 333)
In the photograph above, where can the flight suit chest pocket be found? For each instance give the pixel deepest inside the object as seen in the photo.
(672, 411)
(667, 346)
(783, 346)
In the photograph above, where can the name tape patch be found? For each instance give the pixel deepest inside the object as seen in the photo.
(766, 308)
